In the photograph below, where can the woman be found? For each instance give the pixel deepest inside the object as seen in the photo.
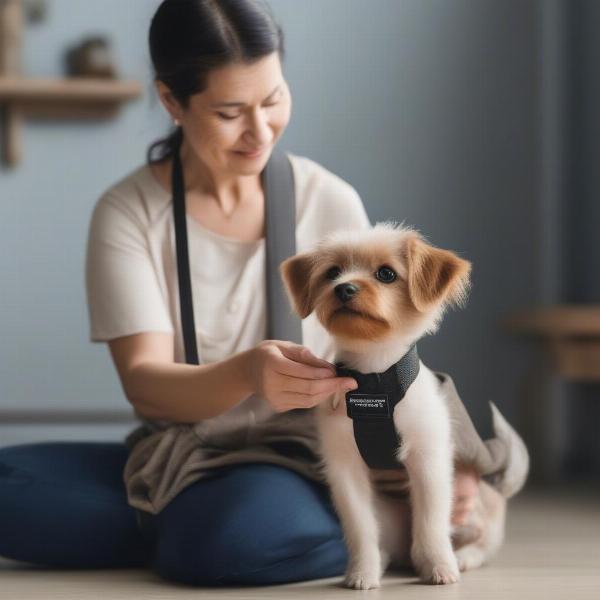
(218, 74)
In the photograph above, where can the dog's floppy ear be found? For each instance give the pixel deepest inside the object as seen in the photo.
(295, 272)
(435, 275)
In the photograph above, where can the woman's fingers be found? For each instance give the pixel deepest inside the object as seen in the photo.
(461, 513)
(308, 374)
(292, 368)
(316, 387)
(303, 355)
(466, 490)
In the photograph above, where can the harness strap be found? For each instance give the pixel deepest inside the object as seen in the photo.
(371, 408)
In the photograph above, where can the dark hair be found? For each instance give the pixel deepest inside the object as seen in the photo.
(189, 38)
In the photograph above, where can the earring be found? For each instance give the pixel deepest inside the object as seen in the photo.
(176, 122)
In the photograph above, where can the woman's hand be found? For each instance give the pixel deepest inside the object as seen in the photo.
(290, 376)
(466, 491)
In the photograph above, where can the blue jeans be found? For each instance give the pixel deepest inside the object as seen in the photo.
(63, 505)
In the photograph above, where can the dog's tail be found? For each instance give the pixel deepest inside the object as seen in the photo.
(509, 482)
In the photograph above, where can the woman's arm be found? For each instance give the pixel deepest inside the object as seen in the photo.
(128, 310)
(160, 389)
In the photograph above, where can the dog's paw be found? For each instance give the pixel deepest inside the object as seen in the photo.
(469, 557)
(362, 579)
(443, 573)
(439, 570)
(440, 573)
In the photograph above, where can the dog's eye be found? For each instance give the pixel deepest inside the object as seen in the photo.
(385, 274)
(333, 273)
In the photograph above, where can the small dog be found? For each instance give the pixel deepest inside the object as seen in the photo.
(377, 292)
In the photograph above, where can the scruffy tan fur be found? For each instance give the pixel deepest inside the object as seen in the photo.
(372, 330)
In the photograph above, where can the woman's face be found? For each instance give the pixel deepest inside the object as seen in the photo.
(244, 108)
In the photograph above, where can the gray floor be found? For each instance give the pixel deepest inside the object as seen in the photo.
(552, 552)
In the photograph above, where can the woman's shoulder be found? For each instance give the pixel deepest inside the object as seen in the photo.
(137, 194)
(325, 200)
(311, 175)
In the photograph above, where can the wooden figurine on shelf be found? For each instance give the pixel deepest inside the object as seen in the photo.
(91, 58)
(36, 10)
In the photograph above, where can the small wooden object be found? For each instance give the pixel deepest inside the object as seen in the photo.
(69, 98)
(571, 334)
(91, 58)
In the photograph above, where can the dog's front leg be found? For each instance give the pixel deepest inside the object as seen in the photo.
(353, 498)
(430, 470)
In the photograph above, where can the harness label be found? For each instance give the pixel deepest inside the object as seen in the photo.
(367, 405)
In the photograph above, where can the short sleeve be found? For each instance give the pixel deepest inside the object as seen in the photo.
(122, 288)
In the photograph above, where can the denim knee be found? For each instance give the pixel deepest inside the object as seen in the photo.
(227, 565)
(253, 524)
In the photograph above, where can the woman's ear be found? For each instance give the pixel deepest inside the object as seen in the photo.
(295, 272)
(435, 275)
(168, 100)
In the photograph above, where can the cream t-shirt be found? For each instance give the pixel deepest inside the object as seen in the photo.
(132, 287)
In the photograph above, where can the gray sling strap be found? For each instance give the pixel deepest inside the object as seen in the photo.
(280, 225)
(280, 219)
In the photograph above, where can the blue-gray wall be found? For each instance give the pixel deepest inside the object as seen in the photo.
(584, 147)
(430, 108)
(582, 268)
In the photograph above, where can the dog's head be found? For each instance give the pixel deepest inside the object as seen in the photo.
(376, 284)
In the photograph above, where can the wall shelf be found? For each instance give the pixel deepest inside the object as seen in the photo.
(81, 89)
(66, 99)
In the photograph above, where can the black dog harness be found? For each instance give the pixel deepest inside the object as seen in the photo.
(371, 406)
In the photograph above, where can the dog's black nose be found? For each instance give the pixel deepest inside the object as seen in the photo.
(345, 291)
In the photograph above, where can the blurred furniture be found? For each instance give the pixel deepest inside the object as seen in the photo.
(570, 339)
(69, 98)
(570, 335)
